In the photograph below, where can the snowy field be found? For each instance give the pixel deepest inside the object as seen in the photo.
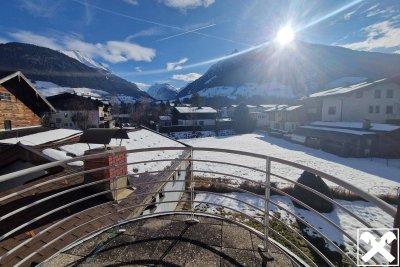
(373, 215)
(371, 175)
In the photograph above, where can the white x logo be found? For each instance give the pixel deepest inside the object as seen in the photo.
(388, 237)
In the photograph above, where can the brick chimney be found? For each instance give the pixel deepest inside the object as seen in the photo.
(112, 161)
(366, 124)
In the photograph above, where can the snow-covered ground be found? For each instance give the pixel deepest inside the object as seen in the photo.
(273, 88)
(371, 175)
(371, 214)
(137, 140)
(50, 89)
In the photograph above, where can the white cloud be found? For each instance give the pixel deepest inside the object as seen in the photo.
(142, 86)
(147, 32)
(176, 65)
(190, 77)
(383, 34)
(187, 4)
(36, 39)
(385, 13)
(132, 2)
(347, 16)
(40, 8)
(111, 51)
(138, 69)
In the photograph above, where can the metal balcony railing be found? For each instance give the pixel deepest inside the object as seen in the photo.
(188, 155)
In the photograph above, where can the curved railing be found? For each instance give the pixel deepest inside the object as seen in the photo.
(189, 156)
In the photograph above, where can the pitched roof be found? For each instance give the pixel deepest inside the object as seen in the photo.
(349, 89)
(32, 97)
(195, 110)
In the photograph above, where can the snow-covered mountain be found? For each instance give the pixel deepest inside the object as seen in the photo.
(292, 71)
(163, 91)
(85, 59)
(44, 64)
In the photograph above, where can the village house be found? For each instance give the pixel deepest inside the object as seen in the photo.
(377, 101)
(80, 112)
(21, 104)
(194, 116)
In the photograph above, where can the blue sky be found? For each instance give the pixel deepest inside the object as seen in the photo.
(175, 41)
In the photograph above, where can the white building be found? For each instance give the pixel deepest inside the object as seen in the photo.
(194, 116)
(378, 101)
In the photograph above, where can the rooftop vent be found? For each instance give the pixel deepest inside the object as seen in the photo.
(102, 136)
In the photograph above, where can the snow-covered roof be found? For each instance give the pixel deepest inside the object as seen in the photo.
(268, 106)
(293, 107)
(224, 119)
(43, 137)
(379, 127)
(338, 130)
(195, 110)
(345, 90)
(139, 139)
(164, 118)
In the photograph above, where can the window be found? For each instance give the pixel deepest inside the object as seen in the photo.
(7, 124)
(389, 93)
(201, 123)
(332, 110)
(359, 94)
(389, 109)
(371, 109)
(58, 120)
(5, 96)
(377, 109)
(377, 94)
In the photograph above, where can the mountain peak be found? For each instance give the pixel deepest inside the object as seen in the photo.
(85, 59)
(163, 91)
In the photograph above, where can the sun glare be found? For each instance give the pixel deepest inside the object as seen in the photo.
(285, 35)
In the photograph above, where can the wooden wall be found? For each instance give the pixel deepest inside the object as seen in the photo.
(14, 110)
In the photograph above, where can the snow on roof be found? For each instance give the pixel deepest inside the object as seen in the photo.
(379, 127)
(42, 137)
(139, 139)
(293, 107)
(268, 106)
(195, 110)
(345, 90)
(164, 118)
(337, 130)
(224, 119)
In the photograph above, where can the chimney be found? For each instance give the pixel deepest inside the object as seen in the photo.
(113, 161)
(366, 124)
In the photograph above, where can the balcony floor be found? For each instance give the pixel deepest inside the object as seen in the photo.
(170, 241)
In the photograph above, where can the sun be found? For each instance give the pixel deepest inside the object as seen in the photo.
(285, 35)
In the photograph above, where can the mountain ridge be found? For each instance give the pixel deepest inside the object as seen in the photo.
(44, 64)
(296, 70)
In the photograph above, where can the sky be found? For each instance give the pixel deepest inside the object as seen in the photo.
(176, 41)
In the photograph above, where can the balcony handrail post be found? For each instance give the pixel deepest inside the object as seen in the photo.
(266, 207)
(191, 220)
(191, 184)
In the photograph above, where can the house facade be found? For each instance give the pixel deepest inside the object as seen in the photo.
(194, 116)
(21, 104)
(79, 112)
(378, 101)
